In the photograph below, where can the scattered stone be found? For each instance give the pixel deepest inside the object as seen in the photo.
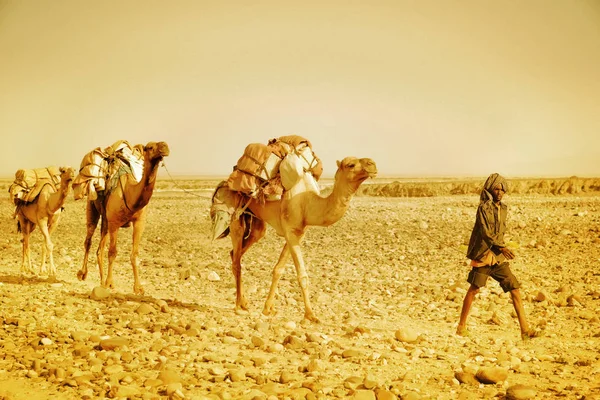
(114, 343)
(491, 375)
(168, 376)
(213, 276)
(100, 293)
(406, 335)
(45, 341)
(520, 392)
(144, 309)
(466, 378)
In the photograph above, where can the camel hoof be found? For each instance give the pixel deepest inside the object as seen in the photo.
(81, 275)
(139, 290)
(269, 312)
(311, 318)
(243, 304)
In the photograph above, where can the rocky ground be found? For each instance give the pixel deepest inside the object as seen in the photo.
(387, 282)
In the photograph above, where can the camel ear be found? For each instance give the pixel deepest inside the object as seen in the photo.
(339, 163)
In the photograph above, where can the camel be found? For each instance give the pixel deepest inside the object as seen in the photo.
(44, 211)
(290, 217)
(124, 205)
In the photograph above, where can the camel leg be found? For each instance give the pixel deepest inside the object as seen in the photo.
(52, 224)
(293, 242)
(49, 247)
(92, 217)
(240, 246)
(26, 228)
(277, 272)
(100, 251)
(138, 229)
(113, 231)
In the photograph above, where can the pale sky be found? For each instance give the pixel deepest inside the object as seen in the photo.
(431, 87)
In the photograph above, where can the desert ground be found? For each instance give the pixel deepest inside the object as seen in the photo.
(387, 282)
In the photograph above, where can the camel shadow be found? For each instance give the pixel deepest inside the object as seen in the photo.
(121, 297)
(29, 280)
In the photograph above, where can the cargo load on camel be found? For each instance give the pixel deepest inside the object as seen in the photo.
(100, 168)
(265, 171)
(29, 182)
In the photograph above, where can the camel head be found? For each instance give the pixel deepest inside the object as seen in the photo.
(155, 151)
(355, 171)
(67, 174)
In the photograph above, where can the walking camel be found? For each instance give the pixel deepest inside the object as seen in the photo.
(123, 205)
(44, 211)
(290, 217)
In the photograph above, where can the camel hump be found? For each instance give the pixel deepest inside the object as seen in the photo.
(29, 182)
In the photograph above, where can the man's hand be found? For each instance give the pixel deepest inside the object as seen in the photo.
(506, 252)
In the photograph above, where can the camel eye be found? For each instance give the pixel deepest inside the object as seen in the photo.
(351, 165)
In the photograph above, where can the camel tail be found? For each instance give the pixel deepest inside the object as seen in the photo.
(18, 227)
(220, 214)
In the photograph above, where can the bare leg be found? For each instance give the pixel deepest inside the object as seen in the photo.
(515, 294)
(92, 217)
(138, 229)
(466, 308)
(277, 272)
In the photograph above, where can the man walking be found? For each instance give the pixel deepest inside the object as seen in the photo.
(489, 255)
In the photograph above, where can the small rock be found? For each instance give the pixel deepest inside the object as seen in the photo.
(213, 276)
(99, 293)
(168, 376)
(80, 336)
(541, 296)
(466, 378)
(520, 392)
(491, 375)
(113, 343)
(406, 335)
(362, 394)
(144, 309)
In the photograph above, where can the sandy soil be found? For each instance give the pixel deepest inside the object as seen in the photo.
(387, 283)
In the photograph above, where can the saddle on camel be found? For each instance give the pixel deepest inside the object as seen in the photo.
(101, 168)
(29, 182)
(263, 172)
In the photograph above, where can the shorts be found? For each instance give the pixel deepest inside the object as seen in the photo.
(500, 272)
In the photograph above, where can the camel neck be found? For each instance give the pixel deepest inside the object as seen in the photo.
(141, 192)
(338, 202)
(57, 199)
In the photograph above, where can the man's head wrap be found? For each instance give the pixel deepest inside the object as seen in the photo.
(491, 182)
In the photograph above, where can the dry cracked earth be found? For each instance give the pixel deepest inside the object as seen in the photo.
(387, 282)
